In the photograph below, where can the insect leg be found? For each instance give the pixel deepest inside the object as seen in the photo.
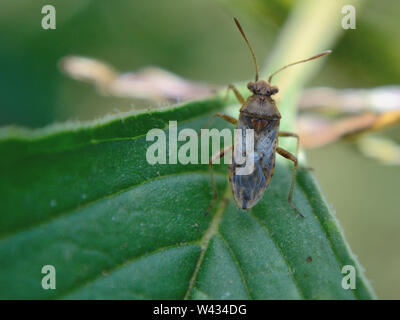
(214, 157)
(221, 115)
(224, 116)
(296, 136)
(291, 157)
(293, 135)
(236, 92)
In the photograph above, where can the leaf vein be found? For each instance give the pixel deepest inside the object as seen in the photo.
(236, 260)
(120, 265)
(281, 252)
(205, 240)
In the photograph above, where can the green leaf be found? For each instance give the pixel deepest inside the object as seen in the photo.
(84, 200)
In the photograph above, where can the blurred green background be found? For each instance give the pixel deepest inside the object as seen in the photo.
(197, 40)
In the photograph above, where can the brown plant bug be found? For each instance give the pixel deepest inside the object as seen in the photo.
(259, 113)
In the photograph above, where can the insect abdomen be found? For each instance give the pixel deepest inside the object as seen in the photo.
(248, 189)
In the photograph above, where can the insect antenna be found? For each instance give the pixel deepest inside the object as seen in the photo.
(248, 44)
(301, 61)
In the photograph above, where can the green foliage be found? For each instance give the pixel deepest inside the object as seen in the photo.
(84, 199)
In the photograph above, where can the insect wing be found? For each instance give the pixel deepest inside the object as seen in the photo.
(248, 188)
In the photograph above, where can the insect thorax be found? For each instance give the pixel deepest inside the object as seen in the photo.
(260, 124)
(261, 107)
